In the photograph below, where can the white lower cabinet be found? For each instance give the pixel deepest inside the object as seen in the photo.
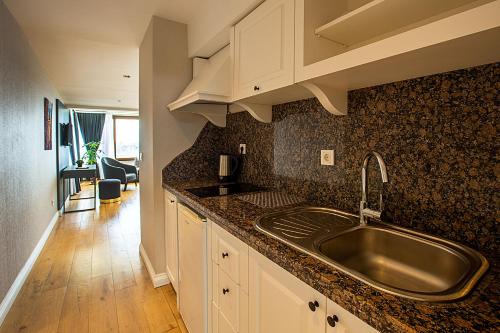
(340, 320)
(171, 238)
(279, 302)
(248, 293)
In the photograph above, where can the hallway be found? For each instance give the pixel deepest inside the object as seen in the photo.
(90, 278)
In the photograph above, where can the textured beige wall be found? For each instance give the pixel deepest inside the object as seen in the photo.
(164, 71)
(27, 171)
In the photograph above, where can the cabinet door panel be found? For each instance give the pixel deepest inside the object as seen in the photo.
(279, 302)
(347, 322)
(228, 299)
(230, 309)
(171, 246)
(264, 49)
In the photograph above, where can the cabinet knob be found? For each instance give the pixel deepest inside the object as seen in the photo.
(225, 254)
(332, 320)
(256, 88)
(172, 201)
(225, 291)
(313, 305)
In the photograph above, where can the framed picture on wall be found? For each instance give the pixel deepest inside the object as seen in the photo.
(47, 123)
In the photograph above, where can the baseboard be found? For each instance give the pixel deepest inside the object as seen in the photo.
(16, 286)
(60, 211)
(158, 279)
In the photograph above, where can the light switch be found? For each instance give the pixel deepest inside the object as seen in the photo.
(327, 157)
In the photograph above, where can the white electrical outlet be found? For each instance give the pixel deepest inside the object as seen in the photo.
(327, 157)
(243, 148)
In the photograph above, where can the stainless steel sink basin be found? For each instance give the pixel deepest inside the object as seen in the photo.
(392, 259)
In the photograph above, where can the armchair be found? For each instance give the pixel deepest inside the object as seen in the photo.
(113, 169)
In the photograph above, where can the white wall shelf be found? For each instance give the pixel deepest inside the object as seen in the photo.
(378, 17)
(463, 38)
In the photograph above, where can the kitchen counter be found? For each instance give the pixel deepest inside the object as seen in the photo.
(478, 312)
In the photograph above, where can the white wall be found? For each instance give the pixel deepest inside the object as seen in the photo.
(209, 29)
(164, 71)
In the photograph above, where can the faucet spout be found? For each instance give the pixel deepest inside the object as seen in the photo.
(364, 211)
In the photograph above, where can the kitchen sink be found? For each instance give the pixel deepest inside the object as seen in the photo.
(392, 259)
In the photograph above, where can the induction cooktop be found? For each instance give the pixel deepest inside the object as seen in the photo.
(224, 189)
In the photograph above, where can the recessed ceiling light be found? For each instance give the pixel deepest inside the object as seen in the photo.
(126, 76)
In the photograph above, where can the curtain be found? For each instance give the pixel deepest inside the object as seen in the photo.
(77, 137)
(108, 140)
(74, 150)
(91, 126)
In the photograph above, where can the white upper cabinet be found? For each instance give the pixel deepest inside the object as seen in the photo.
(264, 49)
(279, 302)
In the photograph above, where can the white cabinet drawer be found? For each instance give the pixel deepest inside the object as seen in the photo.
(220, 323)
(229, 304)
(228, 294)
(231, 254)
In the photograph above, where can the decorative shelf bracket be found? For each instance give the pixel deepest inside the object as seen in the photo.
(333, 100)
(261, 112)
(215, 113)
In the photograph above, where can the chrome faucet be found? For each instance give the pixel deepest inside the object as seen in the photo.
(364, 211)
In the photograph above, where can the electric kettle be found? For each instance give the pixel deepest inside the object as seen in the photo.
(228, 164)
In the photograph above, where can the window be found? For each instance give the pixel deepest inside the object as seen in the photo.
(126, 131)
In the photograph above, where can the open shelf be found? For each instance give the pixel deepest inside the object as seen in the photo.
(379, 17)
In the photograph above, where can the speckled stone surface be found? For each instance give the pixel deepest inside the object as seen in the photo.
(477, 313)
(199, 161)
(438, 136)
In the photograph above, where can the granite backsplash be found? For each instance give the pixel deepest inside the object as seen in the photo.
(437, 135)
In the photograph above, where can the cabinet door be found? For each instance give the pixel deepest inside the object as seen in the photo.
(171, 239)
(279, 302)
(264, 49)
(340, 320)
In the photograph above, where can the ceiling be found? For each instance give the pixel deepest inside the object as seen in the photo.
(87, 47)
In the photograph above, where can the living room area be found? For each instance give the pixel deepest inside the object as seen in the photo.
(101, 146)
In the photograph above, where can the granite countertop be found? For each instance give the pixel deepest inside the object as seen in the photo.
(478, 312)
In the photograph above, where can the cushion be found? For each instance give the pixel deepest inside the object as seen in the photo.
(131, 177)
(109, 189)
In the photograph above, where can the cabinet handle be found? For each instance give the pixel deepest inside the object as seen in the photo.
(172, 201)
(313, 305)
(225, 255)
(332, 320)
(225, 291)
(256, 88)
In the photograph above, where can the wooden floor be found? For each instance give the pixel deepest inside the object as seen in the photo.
(90, 278)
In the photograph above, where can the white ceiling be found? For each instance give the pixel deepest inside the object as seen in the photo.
(87, 46)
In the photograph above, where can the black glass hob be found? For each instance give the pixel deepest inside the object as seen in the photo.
(224, 189)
